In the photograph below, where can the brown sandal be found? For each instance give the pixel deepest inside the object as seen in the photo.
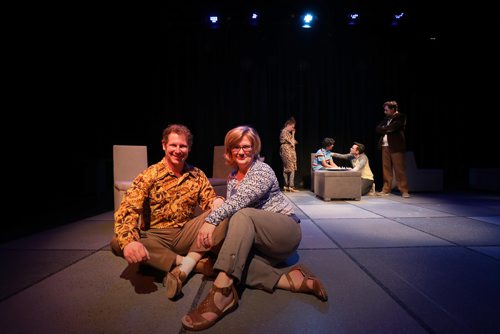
(198, 322)
(173, 281)
(318, 289)
(205, 266)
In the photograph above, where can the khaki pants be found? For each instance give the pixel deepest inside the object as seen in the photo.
(256, 242)
(164, 244)
(397, 162)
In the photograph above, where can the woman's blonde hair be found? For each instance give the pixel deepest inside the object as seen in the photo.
(233, 138)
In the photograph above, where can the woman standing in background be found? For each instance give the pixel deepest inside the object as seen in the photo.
(288, 154)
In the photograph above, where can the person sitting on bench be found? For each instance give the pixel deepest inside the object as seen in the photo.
(323, 157)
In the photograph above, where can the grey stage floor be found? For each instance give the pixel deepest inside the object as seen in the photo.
(428, 264)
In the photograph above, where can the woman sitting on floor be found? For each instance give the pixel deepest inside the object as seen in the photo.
(263, 231)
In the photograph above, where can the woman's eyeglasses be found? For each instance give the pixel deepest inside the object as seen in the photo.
(245, 148)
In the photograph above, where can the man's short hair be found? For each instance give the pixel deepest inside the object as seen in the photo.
(393, 105)
(361, 147)
(180, 130)
(328, 141)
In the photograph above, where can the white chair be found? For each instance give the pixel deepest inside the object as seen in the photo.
(220, 169)
(128, 162)
(220, 172)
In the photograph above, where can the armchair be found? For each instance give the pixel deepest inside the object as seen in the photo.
(128, 162)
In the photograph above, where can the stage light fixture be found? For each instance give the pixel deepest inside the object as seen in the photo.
(213, 21)
(352, 19)
(307, 20)
(396, 19)
(254, 19)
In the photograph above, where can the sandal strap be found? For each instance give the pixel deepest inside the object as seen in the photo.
(208, 305)
(205, 266)
(179, 274)
(225, 291)
(290, 281)
(305, 273)
(317, 289)
(173, 281)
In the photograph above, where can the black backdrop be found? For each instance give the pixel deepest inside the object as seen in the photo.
(98, 78)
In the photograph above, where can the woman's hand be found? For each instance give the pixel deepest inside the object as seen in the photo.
(205, 236)
(218, 201)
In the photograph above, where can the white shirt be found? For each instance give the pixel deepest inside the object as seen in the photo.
(384, 139)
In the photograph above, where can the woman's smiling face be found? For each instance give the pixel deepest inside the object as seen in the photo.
(243, 154)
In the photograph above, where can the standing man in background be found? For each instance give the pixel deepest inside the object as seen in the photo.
(393, 145)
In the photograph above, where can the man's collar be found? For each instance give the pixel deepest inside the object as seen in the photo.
(186, 169)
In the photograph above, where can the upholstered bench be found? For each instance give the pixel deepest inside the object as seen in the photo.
(220, 186)
(337, 184)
